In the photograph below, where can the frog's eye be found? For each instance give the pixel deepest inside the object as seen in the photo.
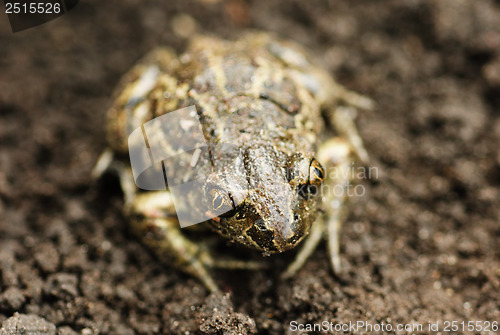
(316, 177)
(221, 202)
(316, 173)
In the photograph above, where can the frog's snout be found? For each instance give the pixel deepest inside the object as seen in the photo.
(275, 238)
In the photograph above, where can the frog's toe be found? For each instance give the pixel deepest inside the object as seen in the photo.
(310, 244)
(343, 119)
(198, 268)
(334, 225)
(199, 264)
(236, 264)
(103, 163)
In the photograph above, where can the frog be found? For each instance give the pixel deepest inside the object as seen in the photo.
(270, 112)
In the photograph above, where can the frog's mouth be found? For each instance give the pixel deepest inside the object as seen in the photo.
(274, 240)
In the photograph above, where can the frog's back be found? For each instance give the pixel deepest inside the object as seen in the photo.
(255, 89)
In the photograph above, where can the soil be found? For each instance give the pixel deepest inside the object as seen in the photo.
(421, 246)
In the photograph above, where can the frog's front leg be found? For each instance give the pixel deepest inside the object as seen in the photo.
(342, 119)
(336, 155)
(153, 219)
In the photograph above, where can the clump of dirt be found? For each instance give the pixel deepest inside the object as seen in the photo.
(421, 246)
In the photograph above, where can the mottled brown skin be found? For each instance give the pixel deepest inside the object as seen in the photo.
(260, 101)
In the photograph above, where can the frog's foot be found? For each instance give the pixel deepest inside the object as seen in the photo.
(351, 98)
(341, 116)
(337, 156)
(342, 119)
(103, 164)
(310, 244)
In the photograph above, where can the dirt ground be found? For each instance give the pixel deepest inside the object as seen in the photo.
(422, 246)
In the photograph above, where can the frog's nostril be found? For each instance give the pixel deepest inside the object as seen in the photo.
(260, 225)
(270, 240)
(295, 238)
(263, 237)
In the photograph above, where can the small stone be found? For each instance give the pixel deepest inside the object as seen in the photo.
(66, 331)
(62, 285)
(12, 298)
(218, 316)
(22, 324)
(47, 257)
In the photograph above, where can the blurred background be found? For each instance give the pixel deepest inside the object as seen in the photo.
(422, 245)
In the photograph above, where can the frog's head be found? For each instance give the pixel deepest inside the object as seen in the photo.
(269, 200)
